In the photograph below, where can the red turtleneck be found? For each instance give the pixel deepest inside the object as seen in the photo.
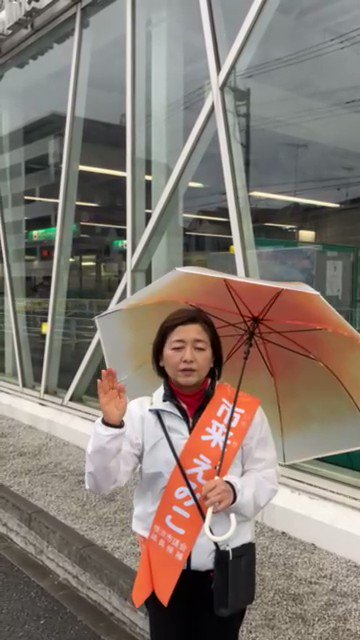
(193, 400)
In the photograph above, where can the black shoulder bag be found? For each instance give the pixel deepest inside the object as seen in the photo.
(234, 569)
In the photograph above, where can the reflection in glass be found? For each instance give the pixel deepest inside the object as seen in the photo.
(198, 231)
(94, 254)
(302, 151)
(2, 314)
(86, 390)
(303, 170)
(90, 397)
(8, 369)
(172, 84)
(228, 18)
(31, 147)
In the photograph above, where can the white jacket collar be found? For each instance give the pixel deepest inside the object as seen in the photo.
(157, 401)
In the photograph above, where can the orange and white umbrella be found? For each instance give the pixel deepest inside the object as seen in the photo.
(302, 358)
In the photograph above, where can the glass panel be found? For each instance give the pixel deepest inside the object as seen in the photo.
(86, 390)
(228, 18)
(345, 460)
(196, 220)
(31, 146)
(2, 313)
(89, 396)
(204, 215)
(301, 153)
(300, 142)
(94, 251)
(172, 84)
(8, 369)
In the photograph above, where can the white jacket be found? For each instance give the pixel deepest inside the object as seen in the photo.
(113, 455)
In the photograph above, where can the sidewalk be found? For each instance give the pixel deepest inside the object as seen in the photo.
(303, 593)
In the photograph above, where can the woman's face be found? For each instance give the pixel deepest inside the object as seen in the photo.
(187, 356)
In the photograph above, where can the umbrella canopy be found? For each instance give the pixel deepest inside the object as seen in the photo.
(304, 363)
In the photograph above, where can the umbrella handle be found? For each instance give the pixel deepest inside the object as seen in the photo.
(223, 537)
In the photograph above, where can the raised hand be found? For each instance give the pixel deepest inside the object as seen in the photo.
(112, 397)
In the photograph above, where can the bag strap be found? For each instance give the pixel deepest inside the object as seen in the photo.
(181, 468)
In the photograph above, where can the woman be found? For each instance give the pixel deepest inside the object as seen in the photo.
(187, 355)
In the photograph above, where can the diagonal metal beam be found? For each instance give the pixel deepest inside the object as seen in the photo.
(63, 232)
(88, 364)
(223, 135)
(148, 242)
(158, 222)
(241, 39)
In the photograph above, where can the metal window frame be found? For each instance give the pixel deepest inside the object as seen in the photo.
(148, 242)
(223, 134)
(241, 39)
(130, 136)
(79, 378)
(84, 373)
(11, 299)
(145, 248)
(56, 272)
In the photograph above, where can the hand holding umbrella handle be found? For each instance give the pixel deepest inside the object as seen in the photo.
(224, 536)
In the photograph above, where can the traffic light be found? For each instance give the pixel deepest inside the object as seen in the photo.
(46, 253)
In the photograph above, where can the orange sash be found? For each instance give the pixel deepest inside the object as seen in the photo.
(177, 522)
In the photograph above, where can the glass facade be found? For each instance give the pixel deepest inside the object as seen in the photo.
(8, 357)
(31, 149)
(167, 103)
(229, 16)
(93, 255)
(136, 137)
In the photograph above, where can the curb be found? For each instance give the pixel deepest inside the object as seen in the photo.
(57, 420)
(92, 571)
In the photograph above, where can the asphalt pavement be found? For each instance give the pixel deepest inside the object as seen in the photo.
(303, 592)
(28, 611)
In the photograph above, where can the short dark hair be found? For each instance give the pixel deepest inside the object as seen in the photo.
(183, 316)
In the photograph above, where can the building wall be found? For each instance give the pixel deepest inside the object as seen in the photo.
(115, 167)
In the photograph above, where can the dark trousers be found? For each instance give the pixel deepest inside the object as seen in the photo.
(190, 613)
